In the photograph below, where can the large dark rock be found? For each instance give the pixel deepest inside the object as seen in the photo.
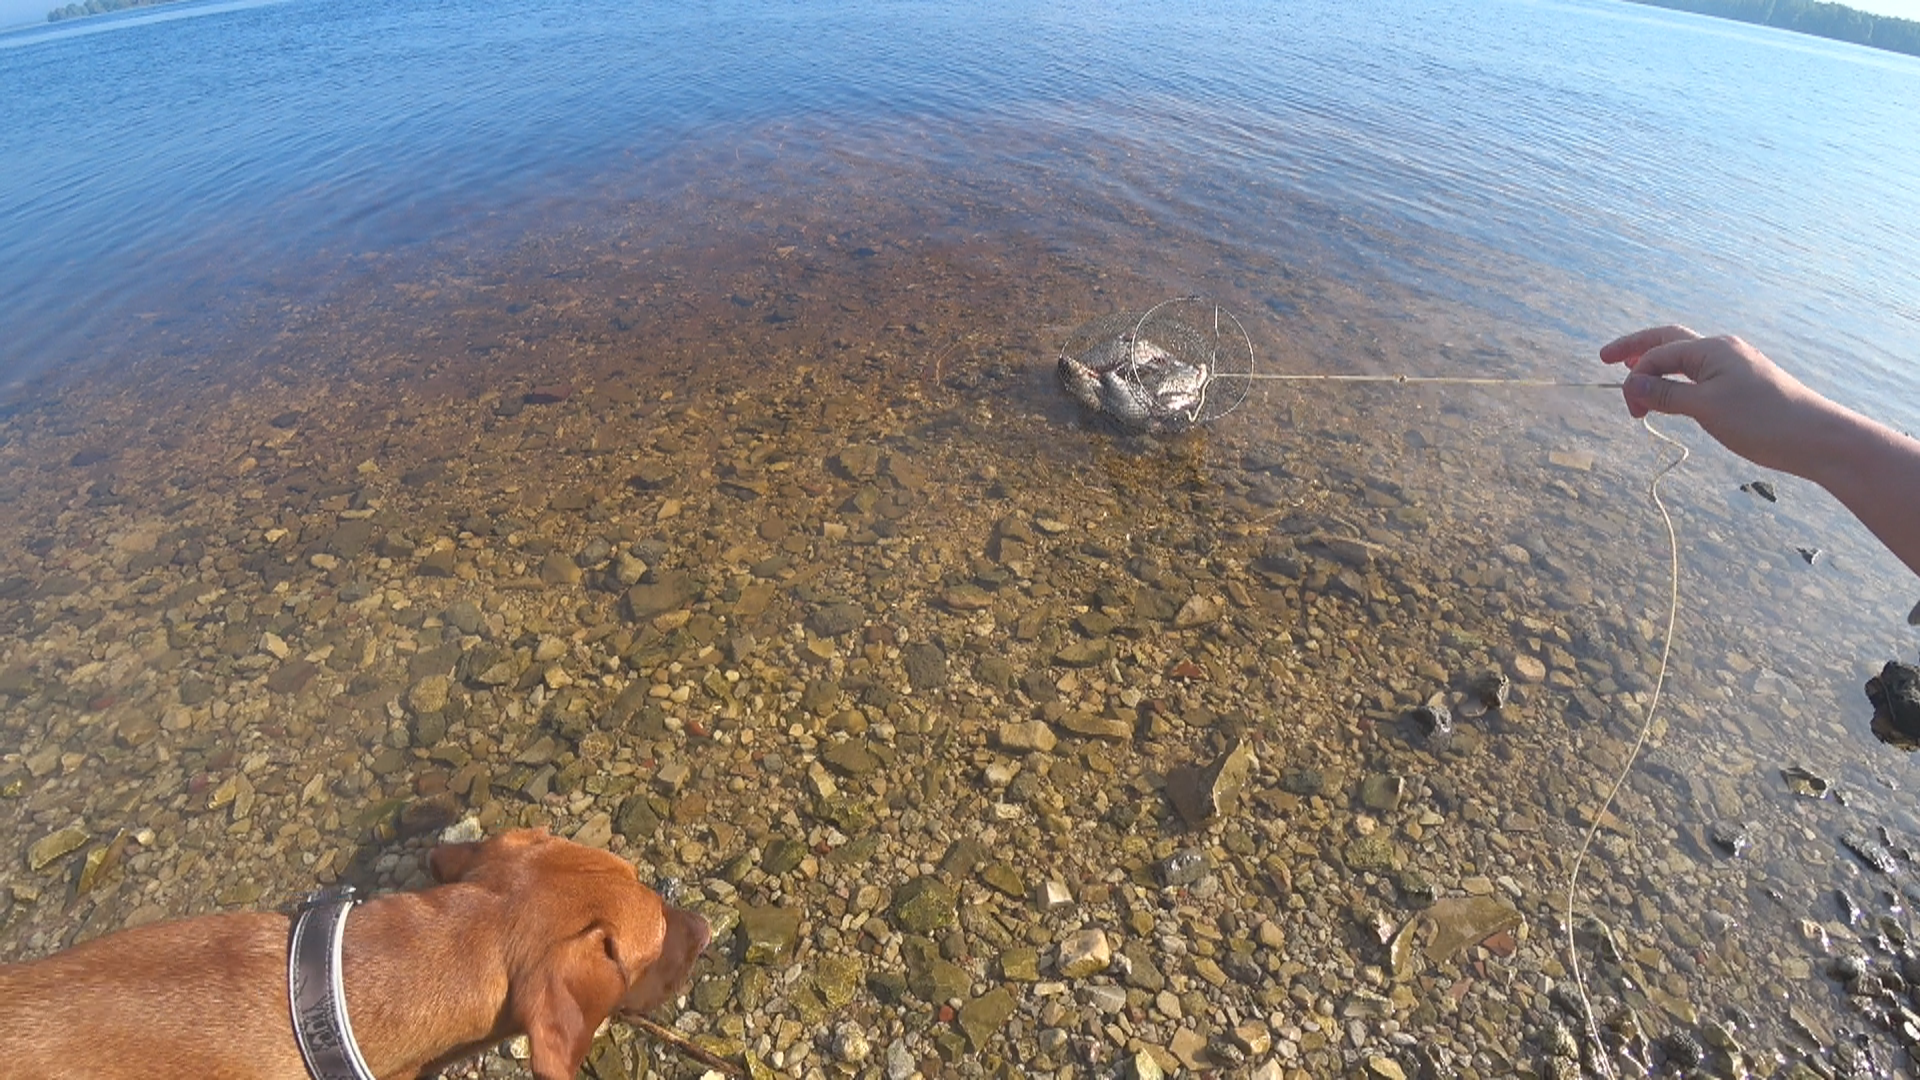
(1895, 694)
(667, 592)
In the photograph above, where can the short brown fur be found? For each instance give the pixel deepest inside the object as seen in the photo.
(525, 934)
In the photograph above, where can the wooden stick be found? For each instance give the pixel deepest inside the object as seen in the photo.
(681, 1043)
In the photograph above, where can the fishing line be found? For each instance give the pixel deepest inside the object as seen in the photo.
(1457, 380)
(1639, 743)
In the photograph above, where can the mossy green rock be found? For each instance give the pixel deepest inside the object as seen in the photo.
(636, 820)
(782, 856)
(1006, 879)
(1020, 964)
(750, 989)
(847, 815)
(768, 934)
(1371, 853)
(983, 1016)
(50, 849)
(711, 993)
(931, 978)
(837, 978)
(924, 905)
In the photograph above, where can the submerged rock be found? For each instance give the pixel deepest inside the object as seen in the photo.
(1435, 724)
(1895, 694)
(1203, 794)
(1804, 783)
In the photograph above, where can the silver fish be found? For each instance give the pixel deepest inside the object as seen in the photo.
(1126, 353)
(1081, 381)
(1182, 389)
(1126, 400)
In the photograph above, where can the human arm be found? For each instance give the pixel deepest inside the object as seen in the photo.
(1759, 411)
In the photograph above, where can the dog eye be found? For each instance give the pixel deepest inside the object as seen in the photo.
(606, 942)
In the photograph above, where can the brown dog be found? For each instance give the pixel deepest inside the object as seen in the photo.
(525, 933)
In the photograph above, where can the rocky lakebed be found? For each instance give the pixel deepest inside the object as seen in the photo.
(992, 743)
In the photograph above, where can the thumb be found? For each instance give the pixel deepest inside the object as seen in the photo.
(1645, 393)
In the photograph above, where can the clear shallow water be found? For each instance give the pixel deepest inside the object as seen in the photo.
(281, 241)
(1570, 167)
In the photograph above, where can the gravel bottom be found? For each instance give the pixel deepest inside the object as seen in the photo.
(904, 675)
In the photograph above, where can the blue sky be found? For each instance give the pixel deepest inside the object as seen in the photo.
(1905, 9)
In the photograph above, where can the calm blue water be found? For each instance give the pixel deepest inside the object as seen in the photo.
(1573, 169)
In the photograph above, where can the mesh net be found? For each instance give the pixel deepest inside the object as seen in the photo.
(1177, 364)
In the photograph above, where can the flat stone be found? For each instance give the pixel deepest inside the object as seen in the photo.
(1197, 611)
(671, 591)
(1088, 725)
(289, 677)
(437, 564)
(850, 758)
(833, 620)
(50, 849)
(1382, 792)
(837, 979)
(557, 569)
(1087, 653)
(1380, 1067)
(768, 934)
(923, 905)
(1084, 953)
(1020, 964)
(934, 979)
(1529, 669)
(1191, 1048)
(967, 598)
(1571, 460)
(1371, 853)
(982, 1017)
(597, 832)
(926, 665)
(429, 695)
(858, 462)
(1461, 921)
(1006, 879)
(17, 682)
(781, 856)
(1202, 794)
(1027, 736)
(636, 820)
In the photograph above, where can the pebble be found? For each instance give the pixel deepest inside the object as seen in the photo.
(1084, 953)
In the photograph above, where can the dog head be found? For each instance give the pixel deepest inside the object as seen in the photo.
(586, 938)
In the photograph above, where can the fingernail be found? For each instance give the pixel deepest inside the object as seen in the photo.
(1639, 386)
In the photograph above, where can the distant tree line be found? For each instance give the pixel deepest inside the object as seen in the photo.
(1836, 21)
(98, 7)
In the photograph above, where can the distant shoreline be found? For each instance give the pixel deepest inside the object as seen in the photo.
(1835, 21)
(98, 7)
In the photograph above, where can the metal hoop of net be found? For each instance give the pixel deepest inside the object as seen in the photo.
(1178, 364)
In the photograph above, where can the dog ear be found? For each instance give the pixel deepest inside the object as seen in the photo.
(565, 998)
(687, 935)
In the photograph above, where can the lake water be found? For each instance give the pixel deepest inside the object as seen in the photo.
(268, 270)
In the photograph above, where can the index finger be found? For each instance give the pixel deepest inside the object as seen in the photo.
(1635, 345)
(1687, 356)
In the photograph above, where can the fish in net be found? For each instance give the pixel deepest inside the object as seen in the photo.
(1180, 363)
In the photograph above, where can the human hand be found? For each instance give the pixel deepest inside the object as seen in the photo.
(1738, 395)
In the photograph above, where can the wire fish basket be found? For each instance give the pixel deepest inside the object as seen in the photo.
(1178, 364)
